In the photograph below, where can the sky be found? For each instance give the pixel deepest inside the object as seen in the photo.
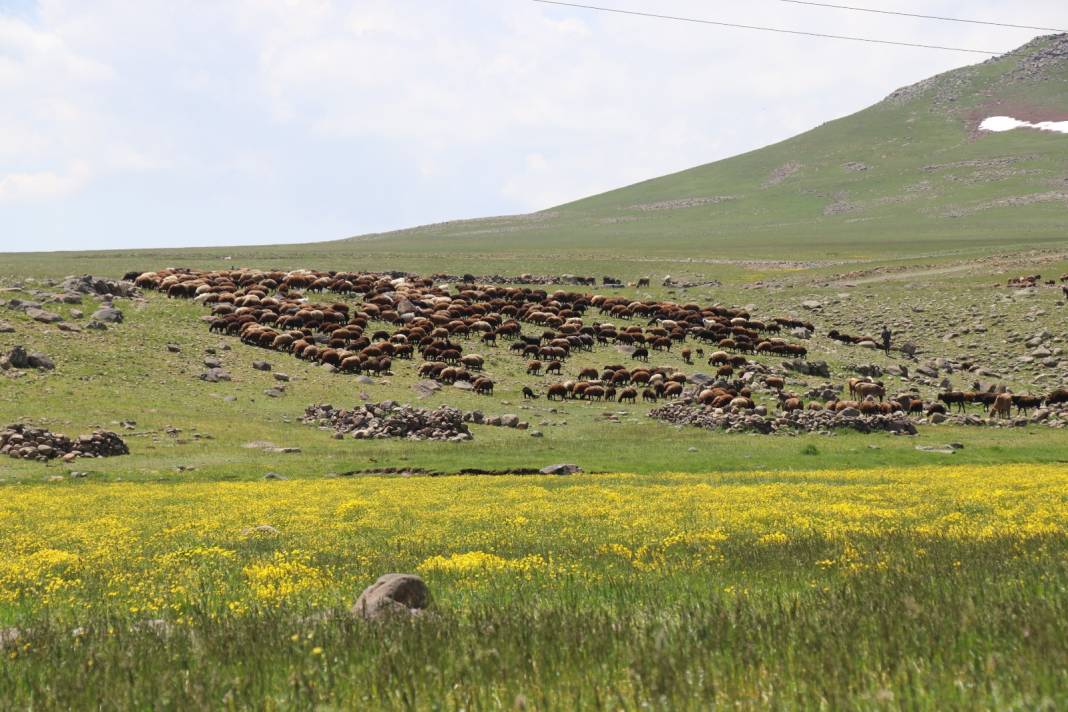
(216, 122)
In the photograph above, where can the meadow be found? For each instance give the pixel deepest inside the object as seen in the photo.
(881, 588)
(819, 571)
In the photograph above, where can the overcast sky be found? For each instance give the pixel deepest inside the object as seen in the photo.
(162, 123)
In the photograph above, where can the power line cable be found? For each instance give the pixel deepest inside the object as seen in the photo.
(762, 28)
(922, 17)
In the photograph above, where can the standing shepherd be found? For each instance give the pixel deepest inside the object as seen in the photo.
(886, 338)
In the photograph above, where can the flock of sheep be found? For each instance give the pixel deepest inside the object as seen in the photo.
(401, 315)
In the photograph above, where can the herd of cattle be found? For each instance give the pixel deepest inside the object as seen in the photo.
(399, 316)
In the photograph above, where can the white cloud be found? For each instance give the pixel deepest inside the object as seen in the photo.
(43, 185)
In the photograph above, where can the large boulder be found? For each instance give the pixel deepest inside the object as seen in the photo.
(392, 594)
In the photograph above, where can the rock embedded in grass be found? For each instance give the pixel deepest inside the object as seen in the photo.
(392, 595)
(561, 469)
(108, 315)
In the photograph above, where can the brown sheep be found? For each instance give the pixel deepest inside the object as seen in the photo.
(629, 395)
(557, 391)
(870, 390)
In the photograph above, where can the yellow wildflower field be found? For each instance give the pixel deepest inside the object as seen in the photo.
(232, 548)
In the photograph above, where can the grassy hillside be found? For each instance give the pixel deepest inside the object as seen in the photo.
(911, 174)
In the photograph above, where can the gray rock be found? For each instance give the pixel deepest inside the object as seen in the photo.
(561, 469)
(38, 360)
(261, 365)
(391, 595)
(108, 315)
(510, 420)
(6, 328)
(273, 476)
(45, 317)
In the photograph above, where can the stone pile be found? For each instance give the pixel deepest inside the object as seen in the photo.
(29, 443)
(88, 284)
(750, 421)
(1055, 416)
(390, 420)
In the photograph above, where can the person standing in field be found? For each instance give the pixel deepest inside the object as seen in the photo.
(886, 338)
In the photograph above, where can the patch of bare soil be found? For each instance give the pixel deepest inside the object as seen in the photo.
(781, 173)
(680, 203)
(1053, 196)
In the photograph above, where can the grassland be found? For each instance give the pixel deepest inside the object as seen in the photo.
(864, 589)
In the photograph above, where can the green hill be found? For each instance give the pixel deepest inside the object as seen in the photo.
(910, 174)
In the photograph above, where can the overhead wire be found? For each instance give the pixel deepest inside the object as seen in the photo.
(922, 17)
(762, 28)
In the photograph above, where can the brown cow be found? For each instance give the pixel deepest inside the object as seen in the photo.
(1002, 406)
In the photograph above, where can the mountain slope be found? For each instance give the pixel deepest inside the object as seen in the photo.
(912, 173)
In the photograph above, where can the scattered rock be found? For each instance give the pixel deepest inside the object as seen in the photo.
(261, 365)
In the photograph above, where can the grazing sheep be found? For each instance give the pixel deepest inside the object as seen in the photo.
(529, 394)
(557, 391)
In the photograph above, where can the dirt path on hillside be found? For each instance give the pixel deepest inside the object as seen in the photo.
(1027, 262)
